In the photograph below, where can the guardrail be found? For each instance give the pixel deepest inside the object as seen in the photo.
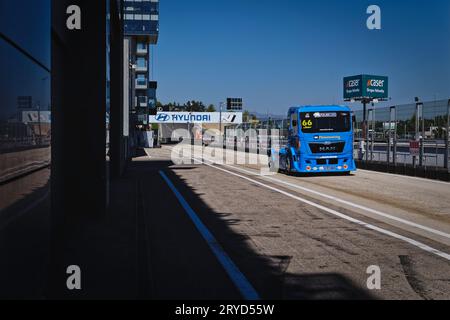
(433, 154)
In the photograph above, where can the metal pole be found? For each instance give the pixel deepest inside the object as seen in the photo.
(370, 135)
(394, 111)
(365, 131)
(416, 134)
(220, 120)
(203, 147)
(447, 136)
(389, 138)
(423, 134)
(191, 136)
(420, 122)
(437, 154)
(389, 146)
(374, 129)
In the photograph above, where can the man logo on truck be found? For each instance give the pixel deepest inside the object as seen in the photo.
(327, 148)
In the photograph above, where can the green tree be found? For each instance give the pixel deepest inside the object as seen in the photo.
(195, 106)
(246, 116)
(189, 106)
(211, 108)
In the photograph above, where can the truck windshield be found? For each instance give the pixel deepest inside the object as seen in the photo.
(317, 122)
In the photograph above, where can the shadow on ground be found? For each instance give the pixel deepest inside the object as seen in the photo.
(266, 273)
(146, 247)
(24, 237)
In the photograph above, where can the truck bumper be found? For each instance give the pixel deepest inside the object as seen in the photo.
(341, 163)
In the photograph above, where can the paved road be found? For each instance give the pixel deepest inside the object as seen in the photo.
(312, 238)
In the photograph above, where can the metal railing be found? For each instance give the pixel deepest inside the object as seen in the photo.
(390, 131)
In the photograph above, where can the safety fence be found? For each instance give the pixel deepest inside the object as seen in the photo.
(412, 134)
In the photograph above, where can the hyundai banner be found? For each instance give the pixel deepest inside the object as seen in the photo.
(197, 117)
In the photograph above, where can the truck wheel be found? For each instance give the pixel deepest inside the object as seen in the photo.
(288, 164)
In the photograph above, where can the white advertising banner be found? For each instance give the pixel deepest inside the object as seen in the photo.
(197, 117)
(33, 116)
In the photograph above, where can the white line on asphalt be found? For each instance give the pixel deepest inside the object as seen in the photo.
(407, 177)
(354, 205)
(238, 278)
(341, 215)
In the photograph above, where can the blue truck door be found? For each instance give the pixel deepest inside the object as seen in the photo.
(293, 136)
(293, 131)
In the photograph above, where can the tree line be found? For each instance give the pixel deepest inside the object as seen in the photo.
(189, 106)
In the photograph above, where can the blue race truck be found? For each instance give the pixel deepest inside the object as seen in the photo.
(320, 140)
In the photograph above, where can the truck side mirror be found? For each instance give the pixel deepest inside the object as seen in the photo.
(294, 123)
(354, 119)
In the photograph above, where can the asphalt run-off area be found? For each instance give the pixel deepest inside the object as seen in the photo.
(254, 235)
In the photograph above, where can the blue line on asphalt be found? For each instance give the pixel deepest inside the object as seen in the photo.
(239, 280)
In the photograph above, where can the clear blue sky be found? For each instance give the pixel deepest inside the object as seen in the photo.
(280, 53)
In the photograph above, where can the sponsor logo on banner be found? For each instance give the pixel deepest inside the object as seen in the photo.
(162, 117)
(375, 83)
(327, 137)
(197, 117)
(353, 83)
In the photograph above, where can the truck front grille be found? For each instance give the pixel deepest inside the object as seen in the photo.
(327, 148)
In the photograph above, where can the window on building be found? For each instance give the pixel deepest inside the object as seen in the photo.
(141, 46)
(141, 63)
(141, 80)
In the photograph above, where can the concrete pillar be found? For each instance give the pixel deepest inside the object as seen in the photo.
(119, 141)
(78, 181)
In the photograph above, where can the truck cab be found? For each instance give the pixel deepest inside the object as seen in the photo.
(320, 140)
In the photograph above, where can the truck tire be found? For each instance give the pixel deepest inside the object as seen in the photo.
(288, 164)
